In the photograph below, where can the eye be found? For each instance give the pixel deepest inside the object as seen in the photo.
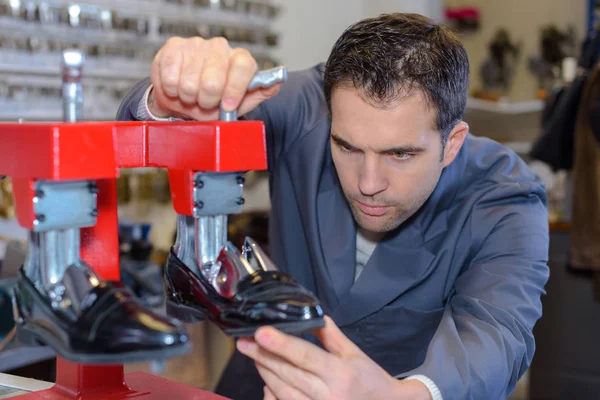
(345, 148)
(401, 155)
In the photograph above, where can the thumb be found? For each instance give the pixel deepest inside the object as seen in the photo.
(336, 342)
(252, 99)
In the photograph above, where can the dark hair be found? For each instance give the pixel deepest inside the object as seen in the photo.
(389, 56)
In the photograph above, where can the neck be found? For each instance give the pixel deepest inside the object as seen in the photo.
(370, 235)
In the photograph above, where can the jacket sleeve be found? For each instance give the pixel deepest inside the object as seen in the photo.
(484, 342)
(298, 106)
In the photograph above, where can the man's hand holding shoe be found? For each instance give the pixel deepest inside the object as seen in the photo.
(296, 369)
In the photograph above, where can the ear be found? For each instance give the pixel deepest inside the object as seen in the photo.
(455, 141)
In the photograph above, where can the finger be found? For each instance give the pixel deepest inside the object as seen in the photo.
(298, 352)
(335, 341)
(280, 389)
(155, 69)
(304, 381)
(214, 74)
(157, 96)
(189, 80)
(252, 99)
(268, 394)
(169, 65)
(242, 68)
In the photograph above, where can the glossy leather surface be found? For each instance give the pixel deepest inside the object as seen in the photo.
(111, 327)
(262, 298)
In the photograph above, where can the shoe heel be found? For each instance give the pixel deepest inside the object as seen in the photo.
(184, 313)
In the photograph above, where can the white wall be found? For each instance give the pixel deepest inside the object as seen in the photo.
(430, 8)
(309, 28)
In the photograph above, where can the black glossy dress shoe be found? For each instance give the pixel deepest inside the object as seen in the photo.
(110, 328)
(241, 297)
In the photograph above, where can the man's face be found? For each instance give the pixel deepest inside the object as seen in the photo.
(388, 160)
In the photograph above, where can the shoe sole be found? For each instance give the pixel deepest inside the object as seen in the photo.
(183, 313)
(30, 335)
(192, 315)
(287, 327)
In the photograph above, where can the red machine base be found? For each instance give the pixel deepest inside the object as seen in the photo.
(138, 385)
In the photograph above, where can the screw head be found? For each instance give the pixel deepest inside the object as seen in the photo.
(92, 187)
(199, 204)
(241, 201)
(240, 180)
(199, 184)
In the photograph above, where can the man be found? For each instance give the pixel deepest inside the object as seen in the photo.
(426, 245)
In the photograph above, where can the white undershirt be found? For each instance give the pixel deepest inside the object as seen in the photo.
(365, 246)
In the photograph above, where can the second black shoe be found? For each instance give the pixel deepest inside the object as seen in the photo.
(110, 328)
(240, 297)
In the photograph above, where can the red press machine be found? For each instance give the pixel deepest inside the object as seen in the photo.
(64, 184)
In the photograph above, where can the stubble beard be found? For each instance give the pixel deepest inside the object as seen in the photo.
(397, 216)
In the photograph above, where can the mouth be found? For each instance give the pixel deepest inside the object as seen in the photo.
(372, 209)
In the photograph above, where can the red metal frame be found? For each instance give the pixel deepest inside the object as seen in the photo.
(96, 150)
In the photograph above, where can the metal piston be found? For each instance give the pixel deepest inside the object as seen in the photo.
(61, 209)
(201, 240)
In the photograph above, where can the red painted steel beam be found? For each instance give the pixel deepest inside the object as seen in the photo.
(207, 146)
(57, 151)
(95, 150)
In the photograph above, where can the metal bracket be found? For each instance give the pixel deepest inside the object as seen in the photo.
(63, 205)
(218, 193)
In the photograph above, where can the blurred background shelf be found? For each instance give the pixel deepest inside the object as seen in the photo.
(119, 40)
(504, 107)
(19, 357)
(11, 230)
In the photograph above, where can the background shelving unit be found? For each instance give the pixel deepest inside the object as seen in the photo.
(119, 38)
(515, 124)
(505, 107)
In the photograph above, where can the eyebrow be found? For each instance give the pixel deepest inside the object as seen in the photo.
(401, 149)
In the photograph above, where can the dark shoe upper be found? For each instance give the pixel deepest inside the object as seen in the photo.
(111, 321)
(261, 298)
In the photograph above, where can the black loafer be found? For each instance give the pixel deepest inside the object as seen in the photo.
(111, 328)
(240, 307)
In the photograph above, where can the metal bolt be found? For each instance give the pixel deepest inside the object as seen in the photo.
(240, 180)
(199, 204)
(199, 184)
(94, 213)
(93, 188)
(40, 217)
(241, 201)
(39, 194)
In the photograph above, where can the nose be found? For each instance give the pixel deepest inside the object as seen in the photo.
(371, 178)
